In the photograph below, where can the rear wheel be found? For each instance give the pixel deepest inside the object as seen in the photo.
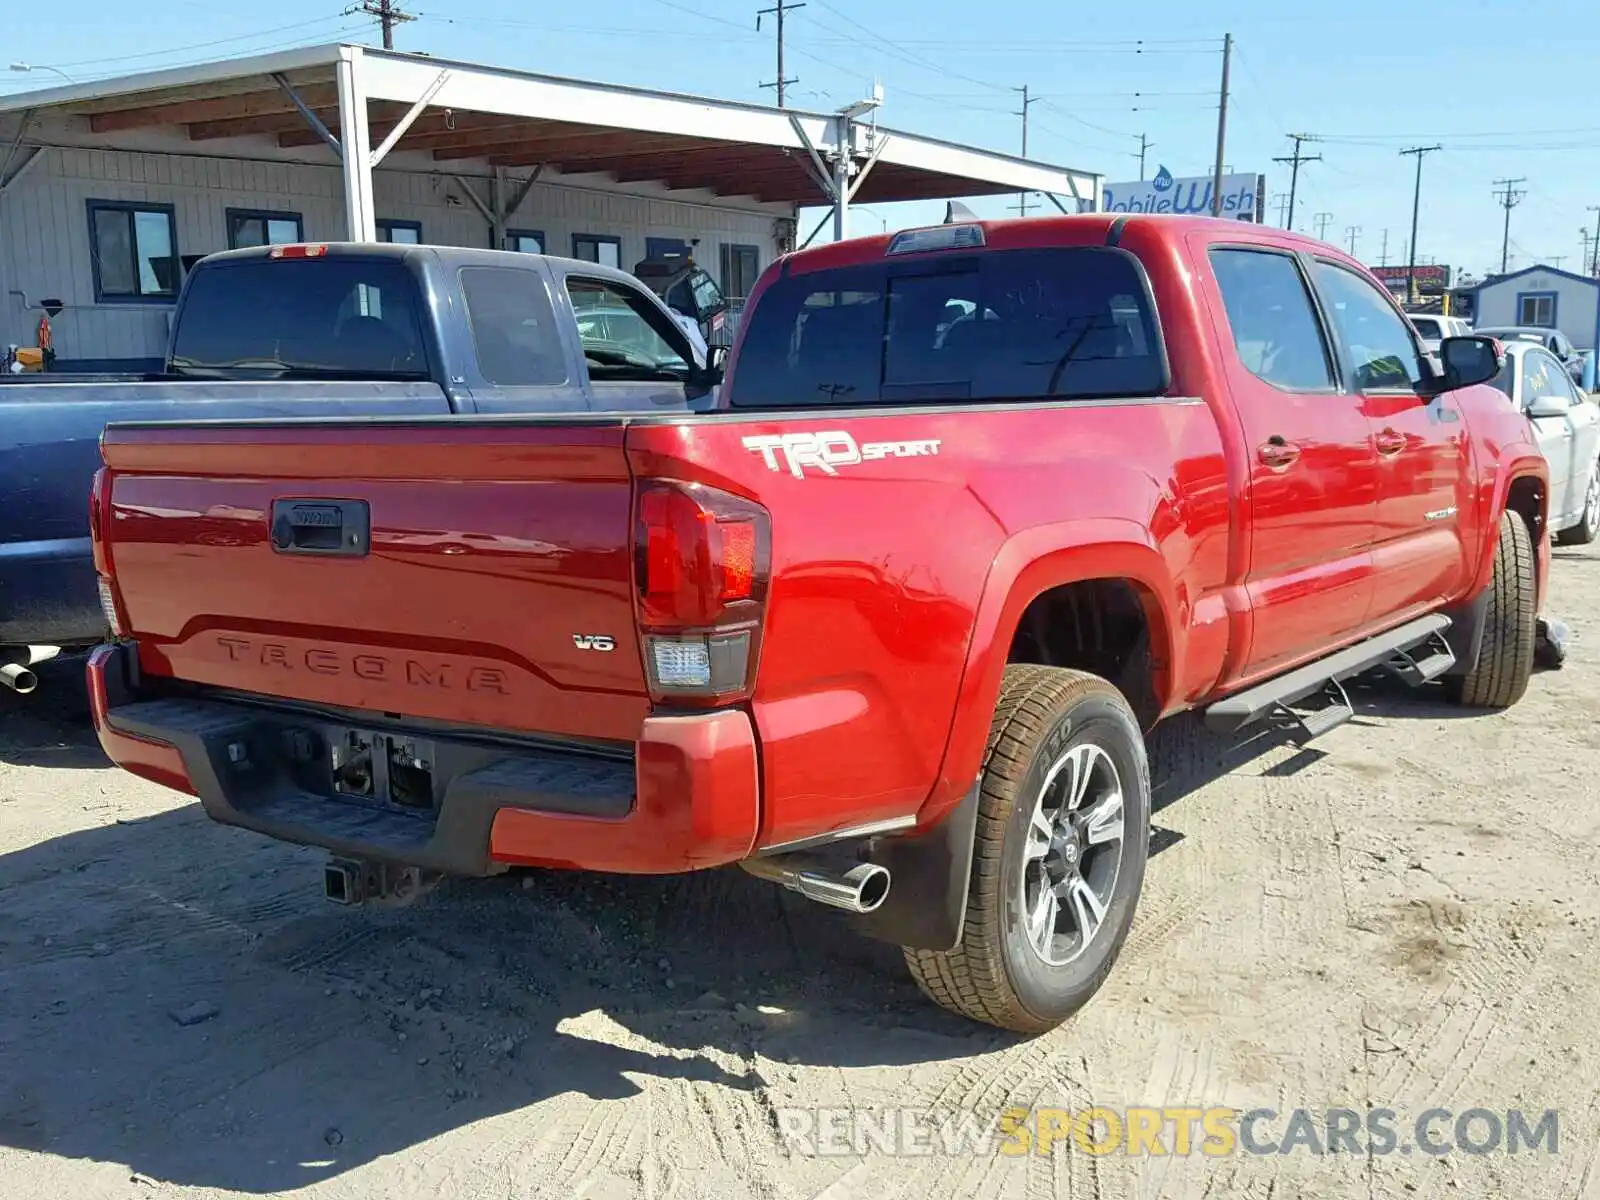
(1586, 530)
(1063, 834)
(1505, 660)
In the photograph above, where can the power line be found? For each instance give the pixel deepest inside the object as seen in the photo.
(1294, 173)
(388, 13)
(242, 37)
(1509, 198)
(1419, 153)
(779, 9)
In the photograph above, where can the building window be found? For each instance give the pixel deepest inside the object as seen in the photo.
(741, 266)
(1536, 308)
(525, 241)
(133, 249)
(599, 248)
(249, 227)
(405, 233)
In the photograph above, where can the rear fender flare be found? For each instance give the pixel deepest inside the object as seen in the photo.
(1027, 565)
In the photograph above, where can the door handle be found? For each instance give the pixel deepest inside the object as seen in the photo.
(1277, 452)
(1389, 442)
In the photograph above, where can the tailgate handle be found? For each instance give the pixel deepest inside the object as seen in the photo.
(335, 528)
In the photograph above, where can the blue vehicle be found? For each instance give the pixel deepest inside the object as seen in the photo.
(320, 331)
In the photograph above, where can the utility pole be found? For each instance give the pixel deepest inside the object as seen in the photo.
(1383, 255)
(1352, 232)
(1282, 201)
(1027, 102)
(778, 10)
(1585, 262)
(1419, 153)
(1557, 259)
(1321, 221)
(1509, 198)
(1295, 160)
(388, 14)
(1144, 146)
(1222, 127)
(1594, 260)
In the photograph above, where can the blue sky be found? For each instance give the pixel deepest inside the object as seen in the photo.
(1508, 89)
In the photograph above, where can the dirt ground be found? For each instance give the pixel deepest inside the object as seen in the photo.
(1404, 916)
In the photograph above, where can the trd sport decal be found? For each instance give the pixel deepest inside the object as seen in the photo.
(828, 451)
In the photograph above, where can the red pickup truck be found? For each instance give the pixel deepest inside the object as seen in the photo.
(974, 507)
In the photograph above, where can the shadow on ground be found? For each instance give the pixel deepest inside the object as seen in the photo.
(176, 996)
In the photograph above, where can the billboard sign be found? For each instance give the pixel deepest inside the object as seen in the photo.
(1241, 195)
(1432, 280)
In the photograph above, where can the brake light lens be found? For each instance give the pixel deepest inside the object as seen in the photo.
(99, 518)
(299, 251)
(702, 561)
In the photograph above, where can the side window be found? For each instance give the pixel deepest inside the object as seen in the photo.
(1275, 327)
(513, 327)
(1427, 328)
(1382, 350)
(1543, 378)
(619, 331)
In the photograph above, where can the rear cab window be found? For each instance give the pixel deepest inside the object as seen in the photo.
(1001, 325)
(301, 318)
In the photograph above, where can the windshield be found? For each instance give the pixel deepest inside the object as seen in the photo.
(303, 318)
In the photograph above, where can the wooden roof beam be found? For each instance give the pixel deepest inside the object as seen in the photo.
(528, 151)
(221, 108)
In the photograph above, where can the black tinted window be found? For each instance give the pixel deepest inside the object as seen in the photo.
(513, 327)
(1015, 324)
(1275, 329)
(304, 317)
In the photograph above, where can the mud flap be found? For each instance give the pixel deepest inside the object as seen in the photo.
(1465, 635)
(929, 877)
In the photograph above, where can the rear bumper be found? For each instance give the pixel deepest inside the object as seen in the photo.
(688, 799)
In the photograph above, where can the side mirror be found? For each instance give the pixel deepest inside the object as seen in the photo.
(1467, 361)
(1547, 406)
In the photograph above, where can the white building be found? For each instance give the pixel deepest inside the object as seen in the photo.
(109, 191)
(1545, 297)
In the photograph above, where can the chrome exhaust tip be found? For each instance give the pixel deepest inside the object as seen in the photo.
(861, 888)
(18, 678)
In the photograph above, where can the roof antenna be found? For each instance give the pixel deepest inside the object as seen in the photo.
(956, 212)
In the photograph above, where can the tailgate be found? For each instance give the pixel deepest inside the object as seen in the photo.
(465, 573)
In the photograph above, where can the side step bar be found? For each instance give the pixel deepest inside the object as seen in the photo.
(1416, 652)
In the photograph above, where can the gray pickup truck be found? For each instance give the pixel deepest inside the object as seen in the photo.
(322, 331)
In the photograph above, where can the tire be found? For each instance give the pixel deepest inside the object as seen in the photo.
(1051, 728)
(1505, 660)
(1586, 530)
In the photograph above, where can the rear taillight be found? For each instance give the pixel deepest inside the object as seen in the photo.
(702, 560)
(99, 527)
